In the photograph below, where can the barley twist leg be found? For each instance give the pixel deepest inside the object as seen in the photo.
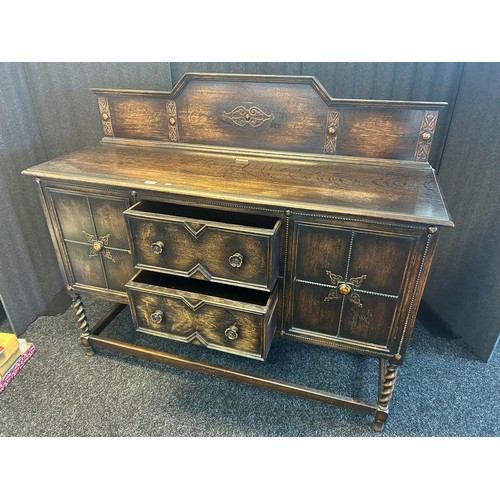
(385, 394)
(83, 323)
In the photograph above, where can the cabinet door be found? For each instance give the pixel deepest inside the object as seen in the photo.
(92, 239)
(348, 283)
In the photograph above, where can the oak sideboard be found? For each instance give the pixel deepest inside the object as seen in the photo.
(240, 207)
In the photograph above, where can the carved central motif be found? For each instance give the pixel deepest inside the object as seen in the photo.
(344, 288)
(242, 116)
(99, 245)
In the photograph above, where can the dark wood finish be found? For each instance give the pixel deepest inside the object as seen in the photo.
(237, 240)
(107, 318)
(269, 112)
(388, 380)
(368, 188)
(83, 323)
(224, 247)
(239, 376)
(376, 264)
(91, 235)
(180, 309)
(138, 117)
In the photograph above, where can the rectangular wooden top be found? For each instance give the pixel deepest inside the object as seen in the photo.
(387, 189)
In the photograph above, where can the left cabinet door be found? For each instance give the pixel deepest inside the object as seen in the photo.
(90, 236)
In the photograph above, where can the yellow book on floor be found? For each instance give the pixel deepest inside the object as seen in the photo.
(9, 363)
(22, 347)
(8, 346)
(27, 349)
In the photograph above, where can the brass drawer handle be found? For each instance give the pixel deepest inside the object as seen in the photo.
(232, 332)
(157, 316)
(157, 247)
(236, 260)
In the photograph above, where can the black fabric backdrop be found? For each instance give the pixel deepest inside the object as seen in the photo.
(47, 110)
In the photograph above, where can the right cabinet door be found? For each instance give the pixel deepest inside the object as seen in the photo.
(349, 284)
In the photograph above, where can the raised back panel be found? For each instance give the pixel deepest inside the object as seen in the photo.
(280, 113)
(255, 115)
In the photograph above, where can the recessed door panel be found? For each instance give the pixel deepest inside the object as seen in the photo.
(319, 249)
(382, 259)
(310, 311)
(370, 322)
(93, 235)
(347, 282)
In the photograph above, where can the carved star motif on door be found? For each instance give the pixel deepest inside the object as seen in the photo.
(343, 287)
(99, 245)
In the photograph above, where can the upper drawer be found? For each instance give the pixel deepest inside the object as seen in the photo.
(213, 245)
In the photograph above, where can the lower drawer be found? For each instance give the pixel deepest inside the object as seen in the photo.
(229, 319)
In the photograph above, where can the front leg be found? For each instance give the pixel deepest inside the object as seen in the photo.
(388, 380)
(82, 323)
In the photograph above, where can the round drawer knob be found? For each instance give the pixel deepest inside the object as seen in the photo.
(344, 289)
(172, 121)
(232, 332)
(157, 247)
(105, 117)
(157, 316)
(236, 260)
(331, 130)
(426, 136)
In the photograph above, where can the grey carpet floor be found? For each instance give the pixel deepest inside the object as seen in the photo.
(442, 389)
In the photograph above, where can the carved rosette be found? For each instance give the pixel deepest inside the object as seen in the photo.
(345, 288)
(105, 116)
(332, 124)
(425, 136)
(173, 133)
(252, 116)
(99, 245)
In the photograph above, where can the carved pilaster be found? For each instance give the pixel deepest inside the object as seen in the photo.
(425, 135)
(173, 133)
(105, 116)
(332, 124)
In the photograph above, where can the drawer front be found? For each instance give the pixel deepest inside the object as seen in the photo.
(203, 249)
(348, 284)
(233, 326)
(91, 234)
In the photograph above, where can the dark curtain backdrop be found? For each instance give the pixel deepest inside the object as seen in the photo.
(47, 110)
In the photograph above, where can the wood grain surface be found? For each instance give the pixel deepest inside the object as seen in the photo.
(388, 190)
(202, 247)
(281, 113)
(201, 313)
